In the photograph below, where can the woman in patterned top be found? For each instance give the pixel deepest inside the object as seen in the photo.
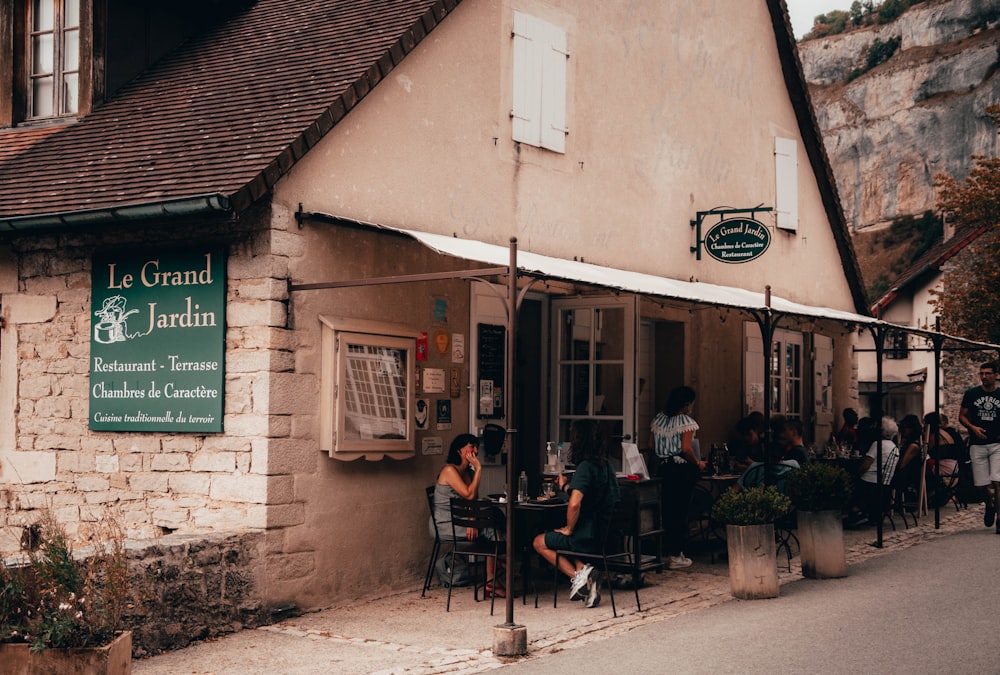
(671, 435)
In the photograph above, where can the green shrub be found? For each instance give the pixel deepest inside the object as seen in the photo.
(750, 506)
(819, 487)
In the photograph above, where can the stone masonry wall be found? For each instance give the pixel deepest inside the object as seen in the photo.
(159, 483)
(195, 588)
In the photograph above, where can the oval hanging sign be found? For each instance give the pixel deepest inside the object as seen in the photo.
(737, 240)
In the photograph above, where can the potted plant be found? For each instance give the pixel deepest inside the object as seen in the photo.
(62, 612)
(749, 515)
(820, 492)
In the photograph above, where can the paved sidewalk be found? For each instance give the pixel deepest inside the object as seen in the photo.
(407, 634)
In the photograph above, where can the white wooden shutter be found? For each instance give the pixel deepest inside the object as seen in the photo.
(786, 189)
(538, 106)
(753, 368)
(553, 126)
(527, 101)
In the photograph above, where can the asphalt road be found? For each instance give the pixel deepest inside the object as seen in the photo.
(932, 608)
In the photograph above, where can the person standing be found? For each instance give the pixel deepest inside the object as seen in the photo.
(593, 492)
(980, 414)
(671, 435)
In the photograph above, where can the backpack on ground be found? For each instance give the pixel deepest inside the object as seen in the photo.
(465, 574)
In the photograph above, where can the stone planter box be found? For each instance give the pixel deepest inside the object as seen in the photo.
(753, 564)
(112, 659)
(821, 544)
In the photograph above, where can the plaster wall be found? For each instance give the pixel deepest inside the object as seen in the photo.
(665, 120)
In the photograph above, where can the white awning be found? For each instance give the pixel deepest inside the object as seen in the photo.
(533, 264)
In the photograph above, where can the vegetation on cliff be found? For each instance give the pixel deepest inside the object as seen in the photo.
(861, 14)
(969, 304)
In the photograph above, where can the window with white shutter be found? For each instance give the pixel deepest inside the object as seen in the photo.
(539, 87)
(786, 189)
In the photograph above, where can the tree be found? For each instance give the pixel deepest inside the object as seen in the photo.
(968, 303)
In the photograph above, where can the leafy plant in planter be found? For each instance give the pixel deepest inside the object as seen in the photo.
(750, 506)
(55, 599)
(819, 487)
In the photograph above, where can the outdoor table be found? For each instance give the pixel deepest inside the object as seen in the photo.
(532, 518)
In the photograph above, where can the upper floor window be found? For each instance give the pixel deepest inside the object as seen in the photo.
(539, 95)
(54, 58)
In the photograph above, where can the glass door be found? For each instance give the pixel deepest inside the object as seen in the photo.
(594, 364)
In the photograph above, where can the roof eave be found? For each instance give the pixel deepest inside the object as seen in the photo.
(812, 140)
(208, 204)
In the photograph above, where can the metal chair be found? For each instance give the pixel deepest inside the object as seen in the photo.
(482, 515)
(436, 548)
(620, 552)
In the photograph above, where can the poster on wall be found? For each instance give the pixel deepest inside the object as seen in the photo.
(157, 340)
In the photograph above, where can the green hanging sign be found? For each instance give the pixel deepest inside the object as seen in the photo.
(737, 240)
(157, 340)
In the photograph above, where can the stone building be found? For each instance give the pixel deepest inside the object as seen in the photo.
(178, 205)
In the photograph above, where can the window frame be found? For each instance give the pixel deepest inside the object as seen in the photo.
(336, 437)
(15, 55)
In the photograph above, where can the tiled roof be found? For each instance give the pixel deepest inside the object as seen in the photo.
(228, 113)
(930, 261)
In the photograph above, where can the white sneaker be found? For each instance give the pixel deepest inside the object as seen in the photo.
(593, 592)
(677, 562)
(580, 581)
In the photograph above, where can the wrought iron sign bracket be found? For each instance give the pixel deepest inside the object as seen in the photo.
(723, 213)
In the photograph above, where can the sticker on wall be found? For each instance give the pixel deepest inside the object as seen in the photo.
(420, 413)
(440, 310)
(434, 381)
(455, 388)
(485, 398)
(457, 348)
(441, 342)
(431, 446)
(444, 413)
(422, 347)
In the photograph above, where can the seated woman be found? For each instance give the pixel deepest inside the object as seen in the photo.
(907, 476)
(593, 492)
(944, 446)
(460, 477)
(870, 498)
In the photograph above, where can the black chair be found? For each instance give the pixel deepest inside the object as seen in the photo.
(620, 550)
(436, 548)
(480, 514)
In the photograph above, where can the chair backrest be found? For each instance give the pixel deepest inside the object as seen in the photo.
(622, 523)
(430, 503)
(475, 513)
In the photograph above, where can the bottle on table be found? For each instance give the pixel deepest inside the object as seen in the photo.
(522, 487)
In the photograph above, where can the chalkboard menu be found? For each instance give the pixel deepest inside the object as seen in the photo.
(492, 351)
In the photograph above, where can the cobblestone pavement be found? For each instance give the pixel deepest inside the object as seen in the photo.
(404, 634)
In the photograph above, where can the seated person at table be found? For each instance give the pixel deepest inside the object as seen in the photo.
(593, 492)
(910, 435)
(747, 445)
(791, 438)
(772, 471)
(944, 446)
(868, 495)
(459, 478)
(848, 434)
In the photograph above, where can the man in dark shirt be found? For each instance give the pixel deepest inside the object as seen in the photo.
(791, 436)
(980, 414)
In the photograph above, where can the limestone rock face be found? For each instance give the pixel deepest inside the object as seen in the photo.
(889, 131)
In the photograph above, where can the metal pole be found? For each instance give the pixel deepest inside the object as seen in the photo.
(878, 333)
(511, 426)
(937, 411)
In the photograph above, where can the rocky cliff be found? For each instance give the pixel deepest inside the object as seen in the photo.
(891, 129)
